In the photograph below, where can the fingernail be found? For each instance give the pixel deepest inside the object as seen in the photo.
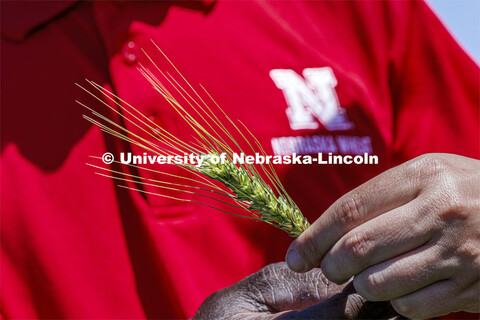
(295, 262)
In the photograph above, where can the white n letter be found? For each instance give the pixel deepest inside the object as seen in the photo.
(311, 99)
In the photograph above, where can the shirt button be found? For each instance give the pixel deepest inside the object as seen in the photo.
(130, 53)
(155, 125)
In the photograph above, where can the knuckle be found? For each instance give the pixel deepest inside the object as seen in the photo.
(357, 246)
(442, 205)
(429, 207)
(349, 210)
(273, 272)
(429, 166)
(259, 278)
(340, 265)
(270, 268)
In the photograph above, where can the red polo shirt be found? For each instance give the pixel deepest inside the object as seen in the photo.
(305, 76)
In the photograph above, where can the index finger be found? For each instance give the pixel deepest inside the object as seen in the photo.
(387, 191)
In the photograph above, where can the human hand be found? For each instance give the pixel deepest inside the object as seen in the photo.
(410, 235)
(275, 290)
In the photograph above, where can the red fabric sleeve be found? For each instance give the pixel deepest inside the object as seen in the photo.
(435, 88)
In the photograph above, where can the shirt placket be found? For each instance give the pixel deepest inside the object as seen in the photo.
(124, 45)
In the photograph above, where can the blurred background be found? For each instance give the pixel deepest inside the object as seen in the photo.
(462, 18)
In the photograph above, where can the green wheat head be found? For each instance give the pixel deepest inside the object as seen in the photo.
(276, 210)
(256, 196)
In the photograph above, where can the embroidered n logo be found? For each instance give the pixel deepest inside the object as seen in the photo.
(311, 100)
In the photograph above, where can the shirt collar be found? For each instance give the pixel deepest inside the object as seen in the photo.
(20, 18)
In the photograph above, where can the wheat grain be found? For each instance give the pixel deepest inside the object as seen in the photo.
(252, 191)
